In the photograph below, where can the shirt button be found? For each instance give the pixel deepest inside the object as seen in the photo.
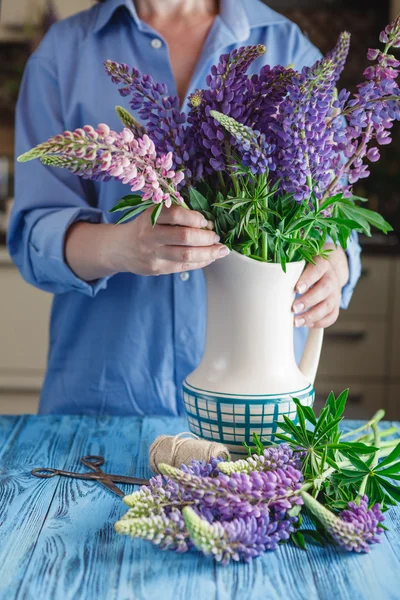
(156, 44)
(184, 276)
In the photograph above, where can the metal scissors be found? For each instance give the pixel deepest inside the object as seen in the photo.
(94, 463)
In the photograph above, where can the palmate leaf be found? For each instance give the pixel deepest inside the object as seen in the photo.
(329, 427)
(341, 402)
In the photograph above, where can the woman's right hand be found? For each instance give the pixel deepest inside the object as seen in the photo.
(178, 242)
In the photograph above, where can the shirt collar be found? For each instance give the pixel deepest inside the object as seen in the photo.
(239, 16)
(106, 10)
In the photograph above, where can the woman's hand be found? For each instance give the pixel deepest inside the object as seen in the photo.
(319, 305)
(179, 242)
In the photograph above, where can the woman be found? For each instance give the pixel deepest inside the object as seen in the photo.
(128, 317)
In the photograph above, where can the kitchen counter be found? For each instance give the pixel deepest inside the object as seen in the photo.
(57, 540)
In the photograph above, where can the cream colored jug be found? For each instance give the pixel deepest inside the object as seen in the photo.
(248, 376)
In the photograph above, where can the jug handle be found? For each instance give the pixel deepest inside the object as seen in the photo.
(312, 351)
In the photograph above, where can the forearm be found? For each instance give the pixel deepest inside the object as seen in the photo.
(88, 247)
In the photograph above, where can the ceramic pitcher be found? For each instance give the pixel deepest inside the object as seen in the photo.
(248, 376)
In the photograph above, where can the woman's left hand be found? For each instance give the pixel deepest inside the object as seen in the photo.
(319, 305)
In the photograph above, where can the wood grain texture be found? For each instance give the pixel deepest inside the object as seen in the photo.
(57, 540)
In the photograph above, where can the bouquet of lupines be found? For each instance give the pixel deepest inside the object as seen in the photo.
(270, 158)
(239, 510)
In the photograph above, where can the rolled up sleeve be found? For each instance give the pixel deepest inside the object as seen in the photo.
(47, 200)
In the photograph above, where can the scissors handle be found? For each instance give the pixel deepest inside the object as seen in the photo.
(92, 461)
(45, 473)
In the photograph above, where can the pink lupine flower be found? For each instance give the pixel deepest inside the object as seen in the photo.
(101, 154)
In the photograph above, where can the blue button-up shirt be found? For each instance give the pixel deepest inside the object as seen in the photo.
(123, 344)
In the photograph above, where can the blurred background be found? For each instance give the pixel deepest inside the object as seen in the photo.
(362, 351)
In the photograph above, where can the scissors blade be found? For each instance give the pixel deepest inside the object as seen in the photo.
(107, 483)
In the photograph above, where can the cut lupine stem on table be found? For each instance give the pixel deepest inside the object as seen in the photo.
(270, 158)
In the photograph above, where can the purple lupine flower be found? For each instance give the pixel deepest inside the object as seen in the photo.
(100, 154)
(265, 92)
(201, 468)
(355, 528)
(240, 539)
(338, 55)
(168, 532)
(226, 92)
(304, 146)
(251, 146)
(240, 494)
(281, 456)
(370, 113)
(160, 111)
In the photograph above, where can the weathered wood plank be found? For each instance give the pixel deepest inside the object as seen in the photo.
(8, 428)
(78, 554)
(147, 572)
(41, 442)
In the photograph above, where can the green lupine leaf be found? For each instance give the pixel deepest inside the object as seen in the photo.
(283, 437)
(332, 463)
(374, 491)
(291, 427)
(129, 201)
(315, 536)
(133, 213)
(356, 462)
(392, 470)
(310, 415)
(353, 447)
(329, 201)
(198, 201)
(298, 540)
(323, 432)
(391, 458)
(351, 213)
(156, 213)
(374, 219)
(390, 488)
(300, 414)
(341, 402)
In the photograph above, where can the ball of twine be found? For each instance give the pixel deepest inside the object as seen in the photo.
(176, 450)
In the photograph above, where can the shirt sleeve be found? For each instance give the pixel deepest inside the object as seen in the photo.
(306, 54)
(47, 200)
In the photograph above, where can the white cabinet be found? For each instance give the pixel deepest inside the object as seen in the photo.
(362, 350)
(24, 318)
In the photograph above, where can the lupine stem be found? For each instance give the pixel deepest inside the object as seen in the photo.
(264, 237)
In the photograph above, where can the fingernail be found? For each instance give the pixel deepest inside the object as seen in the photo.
(210, 225)
(224, 251)
(301, 288)
(299, 322)
(217, 238)
(298, 307)
(204, 223)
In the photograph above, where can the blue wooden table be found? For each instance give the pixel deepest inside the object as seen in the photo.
(57, 540)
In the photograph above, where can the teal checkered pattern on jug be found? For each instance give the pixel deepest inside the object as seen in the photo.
(232, 419)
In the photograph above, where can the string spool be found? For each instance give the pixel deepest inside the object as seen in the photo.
(176, 450)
